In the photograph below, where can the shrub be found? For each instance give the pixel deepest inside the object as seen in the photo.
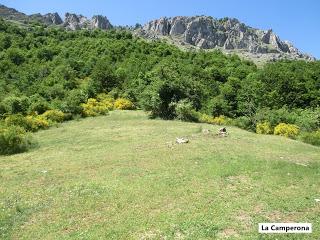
(307, 119)
(17, 120)
(54, 115)
(38, 104)
(311, 138)
(29, 123)
(14, 139)
(185, 111)
(274, 117)
(287, 130)
(15, 105)
(204, 118)
(106, 100)
(124, 104)
(94, 108)
(16, 56)
(264, 128)
(221, 120)
(244, 123)
(36, 123)
(74, 101)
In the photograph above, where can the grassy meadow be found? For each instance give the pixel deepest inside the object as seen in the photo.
(122, 176)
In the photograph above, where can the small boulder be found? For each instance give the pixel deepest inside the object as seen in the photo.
(223, 132)
(182, 140)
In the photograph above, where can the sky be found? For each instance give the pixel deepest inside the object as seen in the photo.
(294, 20)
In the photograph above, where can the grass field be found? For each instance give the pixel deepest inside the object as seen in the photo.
(121, 177)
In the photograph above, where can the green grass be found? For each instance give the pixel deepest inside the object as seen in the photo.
(122, 177)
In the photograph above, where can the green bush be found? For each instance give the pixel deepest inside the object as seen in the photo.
(54, 115)
(38, 104)
(73, 101)
(274, 117)
(307, 119)
(16, 56)
(264, 128)
(14, 139)
(311, 138)
(15, 105)
(244, 123)
(185, 111)
(286, 130)
(17, 120)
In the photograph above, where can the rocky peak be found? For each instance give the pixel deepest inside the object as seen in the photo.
(72, 21)
(12, 14)
(53, 18)
(75, 22)
(227, 34)
(100, 22)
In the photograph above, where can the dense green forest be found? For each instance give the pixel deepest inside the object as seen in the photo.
(53, 69)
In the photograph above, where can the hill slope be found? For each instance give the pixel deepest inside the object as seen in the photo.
(116, 177)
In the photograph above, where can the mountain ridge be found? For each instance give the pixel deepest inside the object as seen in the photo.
(200, 32)
(71, 21)
(227, 34)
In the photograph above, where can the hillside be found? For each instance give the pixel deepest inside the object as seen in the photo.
(120, 177)
(198, 32)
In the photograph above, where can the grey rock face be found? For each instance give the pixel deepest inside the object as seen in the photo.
(73, 21)
(100, 22)
(227, 34)
(160, 26)
(178, 26)
(76, 22)
(52, 18)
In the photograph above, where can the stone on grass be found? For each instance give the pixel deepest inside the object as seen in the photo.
(182, 140)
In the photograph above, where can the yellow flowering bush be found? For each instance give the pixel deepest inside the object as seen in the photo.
(94, 108)
(221, 120)
(264, 128)
(287, 130)
(124, 104)
(106, 100)
(36, 123)
(54, 115)
(29, 123)
(204, 118)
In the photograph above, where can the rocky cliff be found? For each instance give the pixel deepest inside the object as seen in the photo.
(71, 22)
(48, 19)
(227, 34)
(76, 22)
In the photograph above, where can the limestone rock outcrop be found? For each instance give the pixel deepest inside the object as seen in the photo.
(100, 22)
(227, 34)
(75, 22)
